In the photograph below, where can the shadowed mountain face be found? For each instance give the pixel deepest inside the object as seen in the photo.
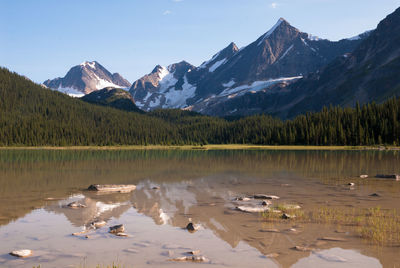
(85, 78)
(370, 73)
(282, 55)
(113, 97)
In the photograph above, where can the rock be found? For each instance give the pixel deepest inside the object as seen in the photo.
(333, 239)
(122, 234)
(288, 216)
(98, 224)
(264, 196)
(270, 230)
(192, 227)
(119, 188)
(191, 259)
(390, 176)
(272, 255)
(252, 209)
(363, 176)
(23, 253)
(351, 184)
(87, 236)
(76, 205)
(194, 252)
(303, 249)
(243, 199)
(266, 203)
(155, 188)
(117, 229)
(375, 195)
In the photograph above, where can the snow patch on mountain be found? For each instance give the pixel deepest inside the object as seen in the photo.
(217, 65)
(285, 53)
(229, 84)
(177, 98)
(267, 34)
(256, 86)
(72, 92)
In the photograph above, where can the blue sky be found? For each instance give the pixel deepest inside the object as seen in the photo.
(43, 38)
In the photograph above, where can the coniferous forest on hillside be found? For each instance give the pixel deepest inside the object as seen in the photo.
(34, 116)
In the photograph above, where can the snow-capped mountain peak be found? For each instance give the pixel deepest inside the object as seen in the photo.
(85, 78)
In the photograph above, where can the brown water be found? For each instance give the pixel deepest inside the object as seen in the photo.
(197, 186)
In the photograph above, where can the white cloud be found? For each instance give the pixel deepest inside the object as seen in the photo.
(167, 12)
(274, 5)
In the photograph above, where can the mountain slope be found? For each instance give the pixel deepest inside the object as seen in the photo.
(85, 78)
(112, 97)
(370, 73)
(282, 54)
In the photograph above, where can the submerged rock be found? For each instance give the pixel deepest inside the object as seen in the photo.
(272, 230)
(122, 234)
(119, 188)
(303, 249)
(194, 252)
(363, 176)
(375, 195)
(334, 239)
(192, 227)
(191, 259)
(390, 176)
(76, 205)
(117, 229)
(23, 253)
(288, 216)
(266, 203)
(265, 196)
(351, 184)
(98, 224)
(252, 209)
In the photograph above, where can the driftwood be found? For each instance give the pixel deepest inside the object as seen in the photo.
(107, 188)
(390, 176)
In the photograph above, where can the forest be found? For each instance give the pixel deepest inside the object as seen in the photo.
(31, 115)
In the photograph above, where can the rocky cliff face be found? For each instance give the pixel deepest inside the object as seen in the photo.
(85, 78)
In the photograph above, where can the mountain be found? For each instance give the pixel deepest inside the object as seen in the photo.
(370, 73)
(113, 97)
(85, 78)
(163, 87)
(282, 55)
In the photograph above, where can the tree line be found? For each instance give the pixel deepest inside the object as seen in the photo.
(34, 116)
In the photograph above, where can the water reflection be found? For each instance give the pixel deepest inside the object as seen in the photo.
(175, 187)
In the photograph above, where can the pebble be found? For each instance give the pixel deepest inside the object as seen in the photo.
(117, 229)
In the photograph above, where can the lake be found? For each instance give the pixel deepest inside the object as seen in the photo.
(175, 187)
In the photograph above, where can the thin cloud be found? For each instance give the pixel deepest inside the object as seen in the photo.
(274, 5)
(167, 12)
(177, 1)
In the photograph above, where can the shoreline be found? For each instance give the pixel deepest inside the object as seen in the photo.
(210, 147)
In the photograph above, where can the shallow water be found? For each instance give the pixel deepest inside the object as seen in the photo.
(197, 186)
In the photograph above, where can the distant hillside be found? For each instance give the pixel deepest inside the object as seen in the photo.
(113, 97)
